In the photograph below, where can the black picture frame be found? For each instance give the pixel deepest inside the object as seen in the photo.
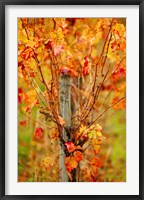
(3, 3)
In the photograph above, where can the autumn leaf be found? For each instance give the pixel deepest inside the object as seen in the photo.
(82, 132)
(119, 106)
(30, 96)
(96, 141)
(96, 149)
(82, 129)
(78, 147)
(118, 74)
(96, 145)
(39, 133)
(54, 135)
(77, 156)
(23, 123)
(47, 162)
(84, 136)
(99, 134)
(96, 162)
(30, 100)
(27, 53)
(31, 105)
(98, 127)
(70, 146)
(21, 95)
(92, 134)
(49, 44)
(93, 177)
(70, 163)
(85, 69)
(31, 44)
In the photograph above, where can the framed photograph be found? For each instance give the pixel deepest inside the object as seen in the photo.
(71, 99)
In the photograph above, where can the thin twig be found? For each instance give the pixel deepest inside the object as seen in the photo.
(107, 110)
(36, 121)
(24, 28)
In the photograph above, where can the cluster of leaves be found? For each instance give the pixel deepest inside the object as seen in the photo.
(94, 135)
(90, 51)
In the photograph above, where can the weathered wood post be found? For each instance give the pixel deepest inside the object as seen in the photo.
(65, 111)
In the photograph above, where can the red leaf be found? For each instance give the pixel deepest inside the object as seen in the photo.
(23, 123)
(49, 44)
(39, 133)
(27, 53)
(70, 146)
(86, 59)
(85, 69)
(20, 90)
(84, 136)
(93, 178)
(20, 95)
(19, 99)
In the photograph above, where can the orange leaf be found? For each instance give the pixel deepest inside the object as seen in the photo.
(70, 164)
(47, 163)
(54, 135)
(96, 149)
(30, 106)
(79, 147)
(96, 162)
(77, 156)
(70, 146)
(27, 53)
(96, 141)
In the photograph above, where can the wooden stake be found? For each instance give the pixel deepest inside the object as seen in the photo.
(65, 111)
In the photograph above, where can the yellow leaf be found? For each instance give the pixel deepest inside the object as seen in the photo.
(96, 141)
(99, 134)
(96, 149)
(92, 134)
(47, 162)
(82, 129)
(31, 43)
(98, 127)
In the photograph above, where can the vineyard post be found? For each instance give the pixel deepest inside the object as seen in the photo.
(65, 111)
